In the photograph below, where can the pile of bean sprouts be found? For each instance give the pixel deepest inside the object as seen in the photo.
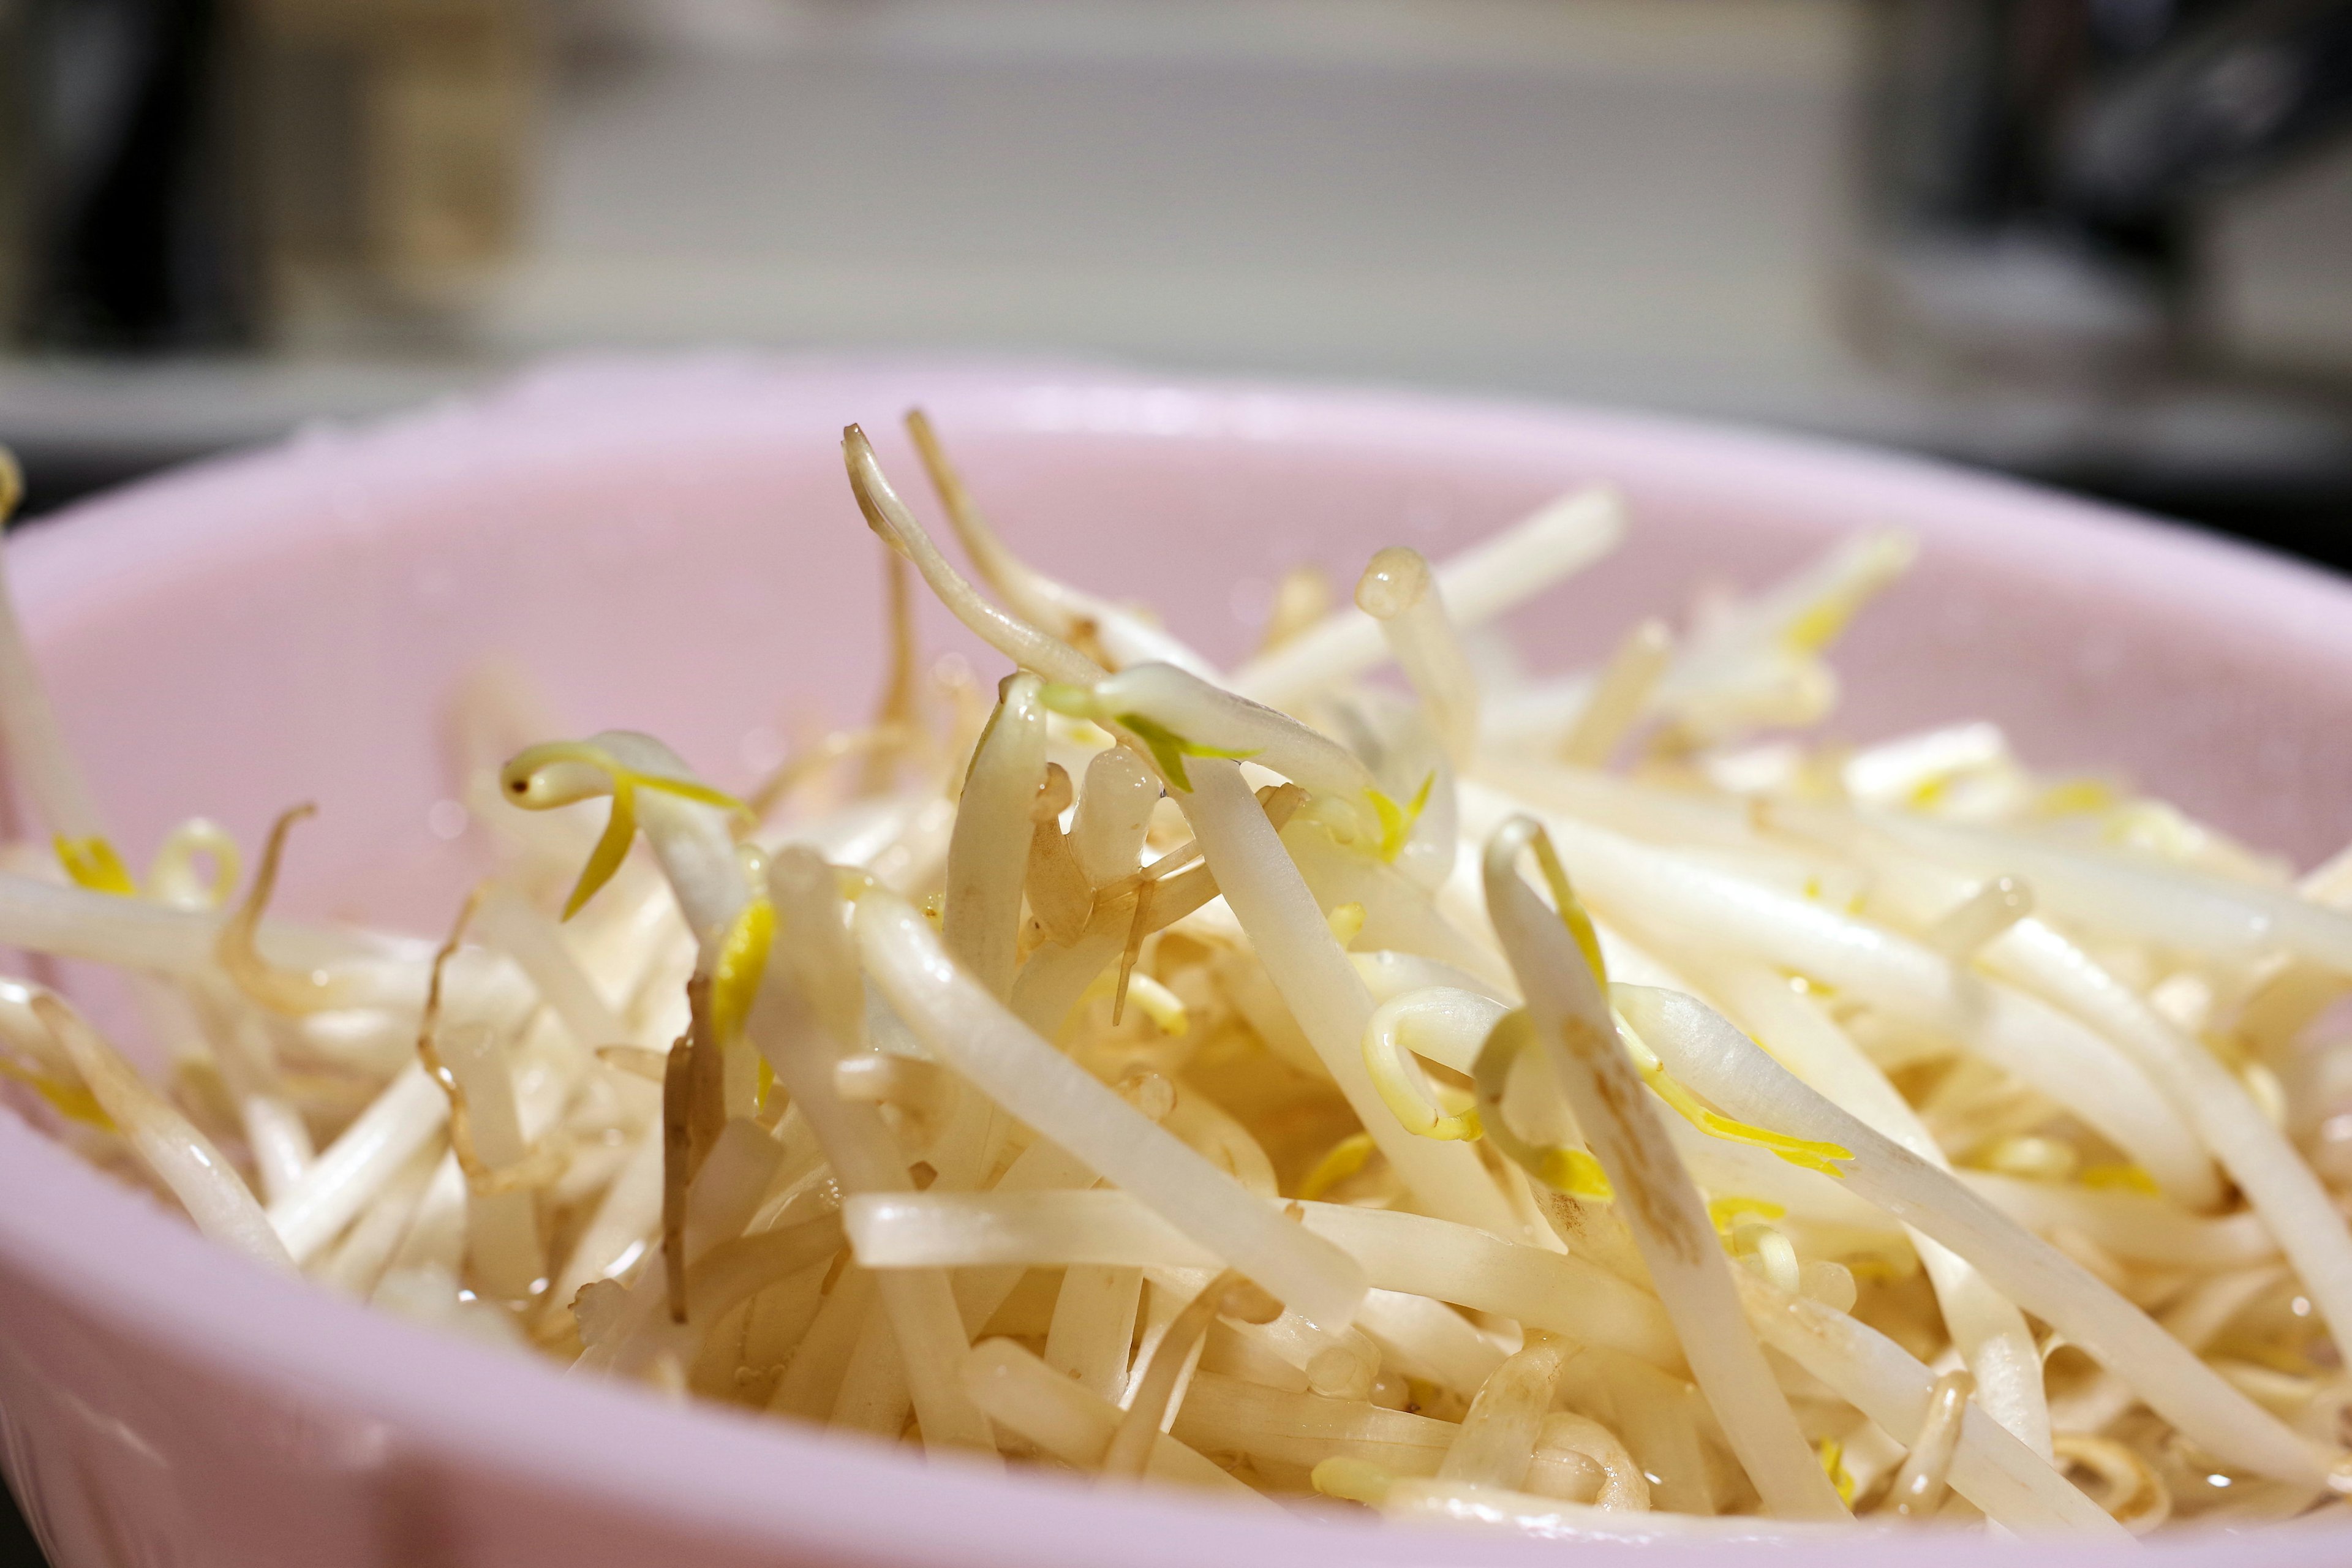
(1374, 1076)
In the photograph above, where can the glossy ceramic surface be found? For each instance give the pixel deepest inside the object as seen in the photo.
(672, 547)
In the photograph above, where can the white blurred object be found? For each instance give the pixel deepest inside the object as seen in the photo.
(1651, 203)
(1601, 195)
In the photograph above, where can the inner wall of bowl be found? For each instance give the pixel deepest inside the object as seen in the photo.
(674, 550)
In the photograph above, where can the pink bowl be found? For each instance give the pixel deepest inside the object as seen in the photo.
(672, 547)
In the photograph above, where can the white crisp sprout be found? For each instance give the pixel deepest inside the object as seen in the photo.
(1596, 1106)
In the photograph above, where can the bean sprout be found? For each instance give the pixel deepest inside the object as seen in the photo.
(1596, 1105)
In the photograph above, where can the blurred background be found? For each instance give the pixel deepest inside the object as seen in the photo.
(2103, 243)
(2106, 243)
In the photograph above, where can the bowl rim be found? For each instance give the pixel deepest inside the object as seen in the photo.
(125, 1263)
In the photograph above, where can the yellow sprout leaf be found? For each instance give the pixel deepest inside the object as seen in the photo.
(70, 1100)
(700, 794)
(1575, 1173)
(517, 774)
(1727, 1213)
(2121, 1178)
(735, 977)
(2068, 797)
(1347, 922)
(1875, 562)
(1817, 626)
(1347, 1157)
(1397, 821)
(1573, 912)
(1169, 749)
(1563, 1169)
(1833, 1457)
(92, 863)
(604, 861)
(1802, 1152)
(621, 827)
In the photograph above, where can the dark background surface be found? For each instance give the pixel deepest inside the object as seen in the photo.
(16, 1543)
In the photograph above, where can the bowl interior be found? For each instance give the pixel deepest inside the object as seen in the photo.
(673, 548)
